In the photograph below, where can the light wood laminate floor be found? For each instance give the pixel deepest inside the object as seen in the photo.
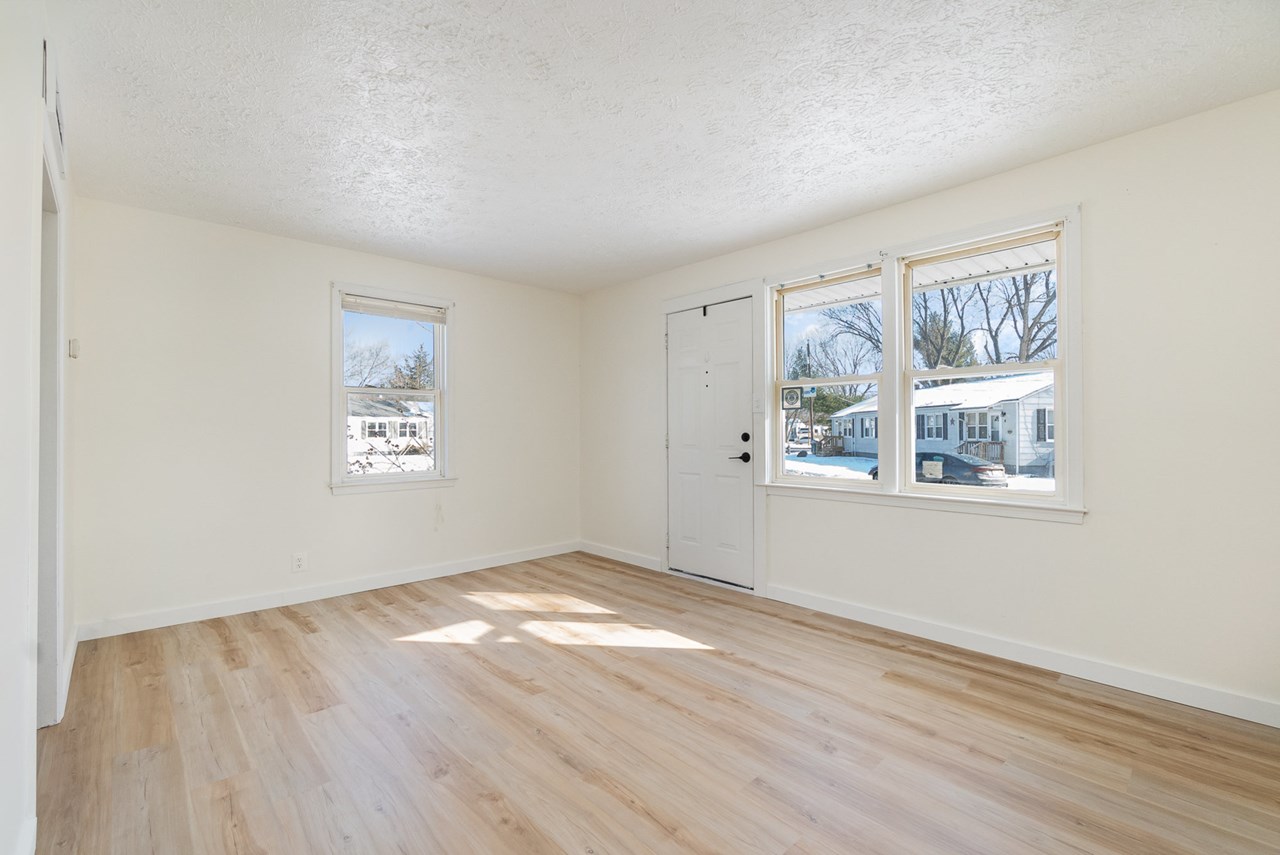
(580, 705)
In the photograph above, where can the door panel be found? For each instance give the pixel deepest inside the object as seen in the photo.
(709, 365)
(689, 507)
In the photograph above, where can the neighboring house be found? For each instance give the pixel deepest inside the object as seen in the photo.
(370, 424)
(1008, 420)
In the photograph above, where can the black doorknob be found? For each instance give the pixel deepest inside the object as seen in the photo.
(746, 437)
(745, 457)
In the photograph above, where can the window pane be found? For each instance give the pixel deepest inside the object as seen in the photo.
(832, 331)
(987, 308)
(842, 441)
(388, 433)
(986, 431)
(387, 353)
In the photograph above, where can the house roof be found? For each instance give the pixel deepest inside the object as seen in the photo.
(973, 395)
(368, 408)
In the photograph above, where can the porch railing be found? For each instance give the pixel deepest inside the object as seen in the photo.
(986, 449)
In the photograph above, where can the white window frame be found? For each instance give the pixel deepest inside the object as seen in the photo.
(933, 425)
(443, 474)
(896, 483)
(981, 427)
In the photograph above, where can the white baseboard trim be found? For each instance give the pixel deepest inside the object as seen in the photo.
(26, 843)
(1155, 685)
(224, 608)
(648, 562)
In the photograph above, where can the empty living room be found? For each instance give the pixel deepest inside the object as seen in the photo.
(566, 426)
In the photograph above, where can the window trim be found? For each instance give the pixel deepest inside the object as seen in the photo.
(339, 479)
(896, 484)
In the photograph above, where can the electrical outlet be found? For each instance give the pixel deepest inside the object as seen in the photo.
(299, 562)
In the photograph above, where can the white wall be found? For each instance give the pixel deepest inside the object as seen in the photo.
(1175, 572)
(199, 440)
(21, 138)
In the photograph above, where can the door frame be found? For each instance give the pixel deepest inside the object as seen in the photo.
(762, 420)
(55, 634)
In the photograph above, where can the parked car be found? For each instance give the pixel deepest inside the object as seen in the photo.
(955, 469)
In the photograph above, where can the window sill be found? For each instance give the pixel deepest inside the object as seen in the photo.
(947, 504)
(391, 486)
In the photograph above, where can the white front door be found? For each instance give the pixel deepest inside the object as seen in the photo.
(711, 443)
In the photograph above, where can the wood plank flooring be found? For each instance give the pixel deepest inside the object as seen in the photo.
(575, 704)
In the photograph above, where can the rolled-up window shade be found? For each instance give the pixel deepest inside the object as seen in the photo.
(393, 309)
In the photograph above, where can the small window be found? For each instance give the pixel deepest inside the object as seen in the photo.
(390, 393)
(975, 426)
(935, 425)
(1044, 425)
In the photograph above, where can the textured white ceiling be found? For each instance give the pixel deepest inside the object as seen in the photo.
(578, 143)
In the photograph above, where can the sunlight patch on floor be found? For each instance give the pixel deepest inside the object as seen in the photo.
(608, 635)
(513, 601)
(467, 632)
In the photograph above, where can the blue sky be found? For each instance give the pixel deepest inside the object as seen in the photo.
(402, 336)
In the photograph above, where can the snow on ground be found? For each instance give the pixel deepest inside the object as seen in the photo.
(829, 467)
(385, 465)
(858, 468)
(1031, 482)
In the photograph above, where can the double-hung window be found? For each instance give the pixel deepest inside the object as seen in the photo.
(985, 343)
(960, 351)
(828, 354)
(389, 360)
(975, 426)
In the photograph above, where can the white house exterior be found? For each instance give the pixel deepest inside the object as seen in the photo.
(1008, 420)
(380, 431)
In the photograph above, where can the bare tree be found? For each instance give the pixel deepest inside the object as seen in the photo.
(365, 364)
(942, 324)
(861, 322)
(1027, 306)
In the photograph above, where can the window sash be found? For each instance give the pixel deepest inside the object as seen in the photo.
(400, 305)
(423, 312)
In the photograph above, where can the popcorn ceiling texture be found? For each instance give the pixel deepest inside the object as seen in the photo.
(579, 143)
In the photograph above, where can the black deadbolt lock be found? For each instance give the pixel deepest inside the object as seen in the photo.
(746, 437)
